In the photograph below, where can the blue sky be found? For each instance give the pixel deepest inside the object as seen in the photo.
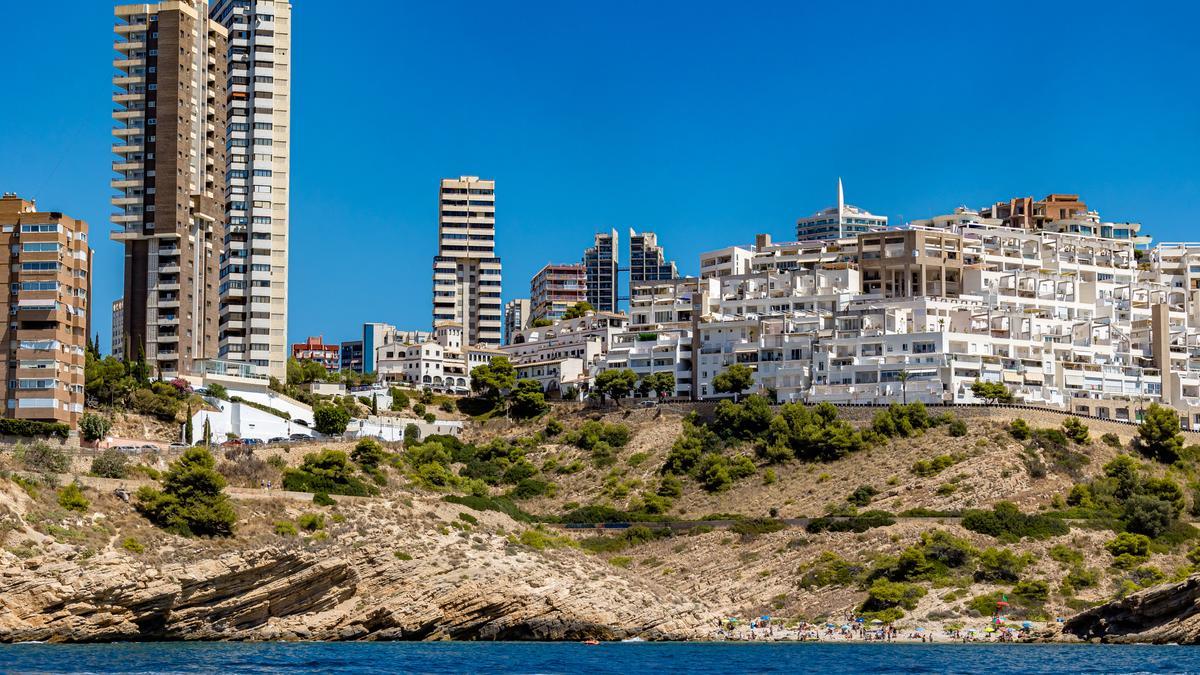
(704, 122)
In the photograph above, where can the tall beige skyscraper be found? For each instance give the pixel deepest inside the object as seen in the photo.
(466, 271)
(170, 178)
(254, 264)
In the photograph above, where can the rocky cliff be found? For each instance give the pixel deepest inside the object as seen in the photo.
(386, 573)
(1163, 614)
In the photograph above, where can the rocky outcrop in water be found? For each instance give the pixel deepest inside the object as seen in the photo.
(1163, 614)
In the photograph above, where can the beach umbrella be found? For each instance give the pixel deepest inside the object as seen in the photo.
(1026, 624)
(830, 625)
(845, 626)
(766, 618)
(920, 630)
(860, 620)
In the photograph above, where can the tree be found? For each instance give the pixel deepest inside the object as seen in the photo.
(374, 403)
(734, 380)
(1076, 430)
(187, 425)
(1158, 434)
(207, 432)
(616, 384)
(541, 322)
(578, 309)
(528, 400)
(991, 392)
(93, 427)
(903, 379)
(218, 390)
(368, 453)
(330, 420)
(399, 399)
(663, 384)
(192, 501)
(493, 380)
(412, 434)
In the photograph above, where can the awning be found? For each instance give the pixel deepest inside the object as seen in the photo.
(1035, 377)
(1011, 377)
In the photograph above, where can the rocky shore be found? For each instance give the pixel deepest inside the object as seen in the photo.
(389, 574)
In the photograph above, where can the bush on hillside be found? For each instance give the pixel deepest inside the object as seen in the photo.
(1006, 522)
(328, 471)
(192, 501)
(110, 464)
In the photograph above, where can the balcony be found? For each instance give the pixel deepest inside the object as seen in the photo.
(125, 80)
(129, 62)
(133, 44)
(128, 114)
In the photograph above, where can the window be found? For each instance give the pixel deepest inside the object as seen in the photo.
(39, 247)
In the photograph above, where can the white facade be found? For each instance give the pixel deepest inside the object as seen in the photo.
(254, 265)
(466, 271)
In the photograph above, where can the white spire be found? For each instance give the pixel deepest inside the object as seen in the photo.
(841, 200)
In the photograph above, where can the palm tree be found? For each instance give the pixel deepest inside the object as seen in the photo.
(903, 377)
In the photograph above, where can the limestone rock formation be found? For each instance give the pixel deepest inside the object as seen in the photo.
(1163, 614)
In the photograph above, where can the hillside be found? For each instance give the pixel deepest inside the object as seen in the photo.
(406, 564)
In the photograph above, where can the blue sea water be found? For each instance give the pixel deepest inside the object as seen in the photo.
(657, 658)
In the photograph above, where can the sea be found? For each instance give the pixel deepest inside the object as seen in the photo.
(545, 657)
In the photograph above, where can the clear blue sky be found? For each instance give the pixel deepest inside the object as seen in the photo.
(704, 122)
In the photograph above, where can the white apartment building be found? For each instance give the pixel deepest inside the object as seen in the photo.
(443, 363)
(466, 271)
(563, 357)
(1081, 322)
(254, 264)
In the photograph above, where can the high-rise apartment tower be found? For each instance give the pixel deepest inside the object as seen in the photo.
(170, 145)
(600, 263)
(254, 263)
(466, 271)
(48, 306)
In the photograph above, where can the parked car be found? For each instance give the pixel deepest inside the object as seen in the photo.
(178, 446)
(277, 439)
(147, 446)
(300, 437)
(252, 441)
(233, 443)
(647, 404)
(301, 422)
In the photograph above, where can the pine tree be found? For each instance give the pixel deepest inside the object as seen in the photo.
(187, 425)
(207, 432)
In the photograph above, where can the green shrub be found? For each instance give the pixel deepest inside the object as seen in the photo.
(829, 569)
(553, 427)
(42, 457)
(132, 545)
(1076, 430)
(110, 464)
(192, 500)
(71, 498)
(1006, 522)
(862, 495)
(927, 468)
(1079, 577)
(93, 427)
(957, 428)
(1159, 436)
(330, 420)
(323, 499)
(1001, 564)
(884, 594)
(756, 526)
(528, 488)
(1065, 555)
(1032, 591)
(1019, 429)
(1112, 440)
(539, 539)
(30, 428)
(859, 523)
(483, 503)
(328, 471)
(368, 453)
(285, 528)
(1128, 543)
(402, 555)
(311, 522)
